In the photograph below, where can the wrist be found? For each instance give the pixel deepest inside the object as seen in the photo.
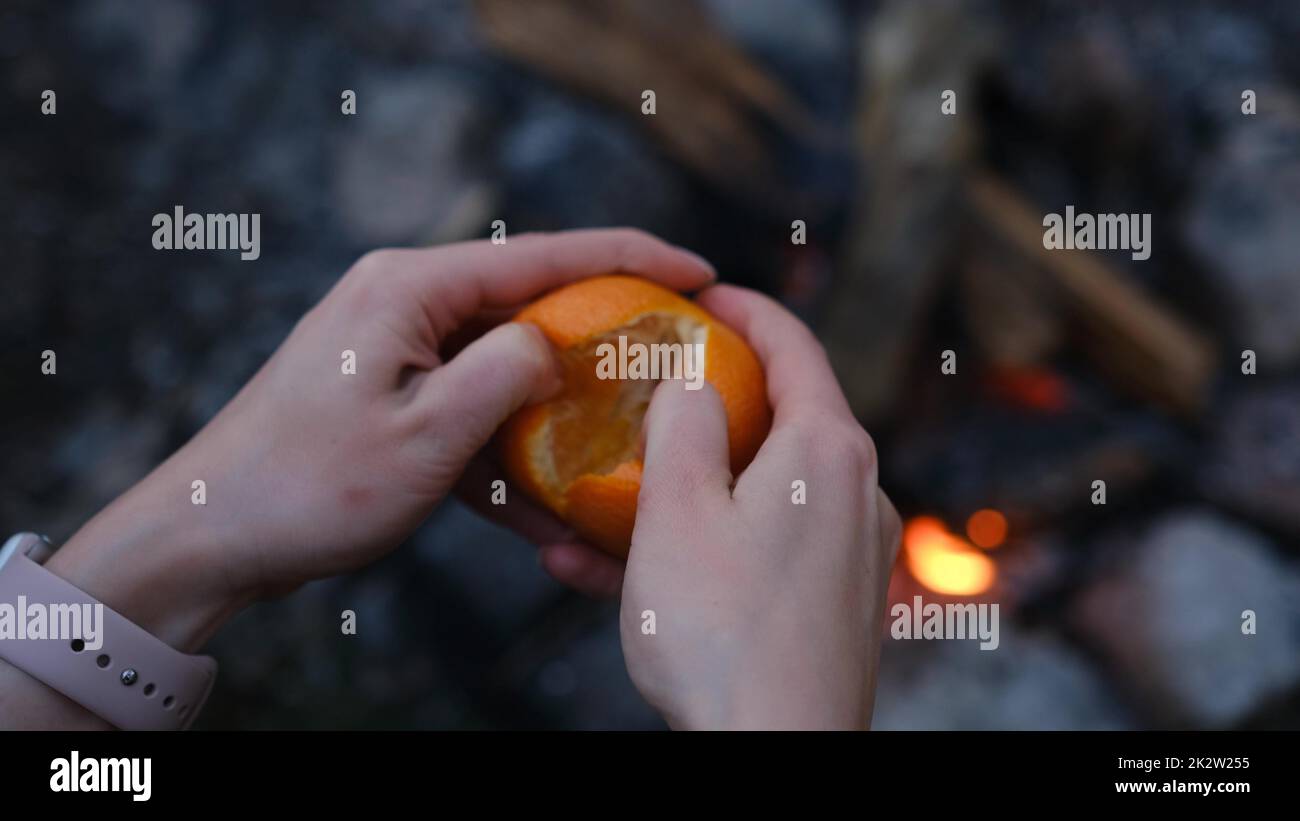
(153, 559)
(799, 703)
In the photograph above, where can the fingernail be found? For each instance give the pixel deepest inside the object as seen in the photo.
(549, 385)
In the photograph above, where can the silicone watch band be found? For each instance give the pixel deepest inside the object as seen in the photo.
(134, 680)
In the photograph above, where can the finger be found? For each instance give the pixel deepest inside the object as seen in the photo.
(462, 403)
(474, 327)
(458, 281)
(477, 489)
(584, 568)
(686, 455)
(799, 376)
(561, 553)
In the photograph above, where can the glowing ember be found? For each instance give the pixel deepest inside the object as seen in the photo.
(987, 528)
(1031, 388)
(944, 562)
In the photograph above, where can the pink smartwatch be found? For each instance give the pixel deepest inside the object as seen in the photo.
(116, 670)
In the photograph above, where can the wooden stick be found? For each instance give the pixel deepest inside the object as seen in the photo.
(1126, 331)
(709, 94)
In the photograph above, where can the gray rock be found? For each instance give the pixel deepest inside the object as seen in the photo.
(1032, 681)
(414, 30)
(1242, 222)
(1253, 466)
(571, 167)
(1170, 621)
(404, 171)
(144, 47)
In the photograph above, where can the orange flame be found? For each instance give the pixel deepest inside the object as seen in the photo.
(944, 562)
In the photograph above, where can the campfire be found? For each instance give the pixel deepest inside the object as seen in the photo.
(1097, 397)
(944, 562)
(1113, 458)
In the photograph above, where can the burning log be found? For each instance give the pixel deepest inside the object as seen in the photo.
(1008, 307)
(907, 211)
(1132, 337)
(714, 98)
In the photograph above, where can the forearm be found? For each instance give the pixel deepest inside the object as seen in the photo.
(151, 560)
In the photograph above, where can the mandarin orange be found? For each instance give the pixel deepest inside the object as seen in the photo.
(577, 453)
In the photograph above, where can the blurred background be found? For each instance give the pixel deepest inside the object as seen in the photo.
(923, 234)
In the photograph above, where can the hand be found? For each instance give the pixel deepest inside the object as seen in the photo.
(310, 471)
(767, 614)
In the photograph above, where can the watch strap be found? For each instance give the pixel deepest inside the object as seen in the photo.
(133, 680)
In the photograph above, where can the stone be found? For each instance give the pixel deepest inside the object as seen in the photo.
(1169, 620)
(405, 171)
(1253, 464)
(1242, 223)
(1033, 681)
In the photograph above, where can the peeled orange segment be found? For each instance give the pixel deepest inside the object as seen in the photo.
(577, 453)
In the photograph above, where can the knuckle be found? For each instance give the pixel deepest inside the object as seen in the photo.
(862, 446)
(847, 449)
(369, 284)
(815, 344)
(826, 434)
(892, 531)
(797, 326)
(809, 434)
(433, 421)
(374, 263)
(891, 524)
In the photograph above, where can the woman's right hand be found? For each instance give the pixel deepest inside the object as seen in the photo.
(765, 613)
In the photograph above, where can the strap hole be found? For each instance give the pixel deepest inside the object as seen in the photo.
(168, 702)
(149, 689)
(77, 645)
(103, 661)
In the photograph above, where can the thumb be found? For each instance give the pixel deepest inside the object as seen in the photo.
(686, 465)
(491, 378)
